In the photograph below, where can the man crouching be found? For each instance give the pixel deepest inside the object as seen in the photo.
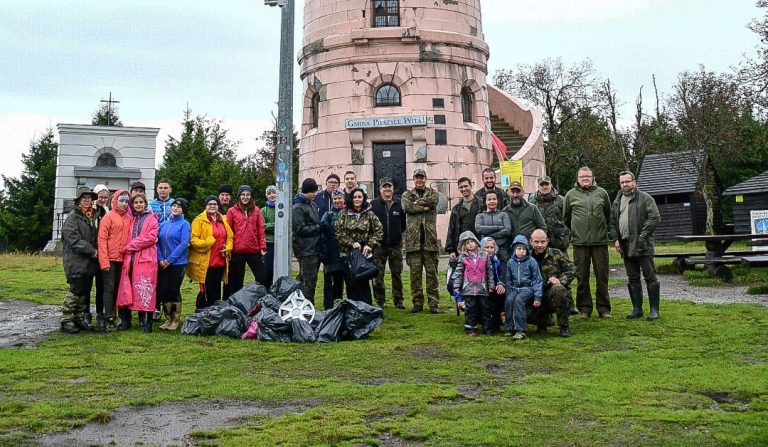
(557, 272)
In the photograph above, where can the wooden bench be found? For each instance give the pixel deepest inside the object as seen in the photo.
(682, 263)
(755, 261)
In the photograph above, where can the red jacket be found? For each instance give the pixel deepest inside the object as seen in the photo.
(247, 230)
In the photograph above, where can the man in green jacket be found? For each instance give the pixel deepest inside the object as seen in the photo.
(421, 244)
(634, 217)
(587, 212)
(524, 217)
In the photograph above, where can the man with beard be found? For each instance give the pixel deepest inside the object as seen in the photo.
(489, 184)
(551, 205)
(225, 197)
(634, 217)
(524, 216)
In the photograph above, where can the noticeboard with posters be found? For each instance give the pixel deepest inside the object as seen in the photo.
(759, 221)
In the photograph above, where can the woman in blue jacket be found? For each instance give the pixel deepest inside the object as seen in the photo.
(172, 243)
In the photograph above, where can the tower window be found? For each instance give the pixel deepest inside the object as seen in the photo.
(106, 159)
(315, 109)
(467, 101)
(387, 96)
(386, 13)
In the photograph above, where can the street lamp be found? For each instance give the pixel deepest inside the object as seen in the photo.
(284, 156)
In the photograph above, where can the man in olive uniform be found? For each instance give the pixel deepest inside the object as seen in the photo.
(634, 217)
(551, 205)
(421, 244)
(524, 217)
(557, 272)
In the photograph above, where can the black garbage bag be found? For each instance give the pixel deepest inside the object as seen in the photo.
(329, 330)
(233, 322)
(360, 319)
(319, 317)
(272, 327)
(284, 286)
(269, 301)
(246, 298)
(359, 267)
(191, 325)
(302, 331)
(211, 316)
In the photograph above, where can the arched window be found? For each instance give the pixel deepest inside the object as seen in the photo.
(106, 159)
(386, 13)
(467, 101)
(387, 96)
(315, 109)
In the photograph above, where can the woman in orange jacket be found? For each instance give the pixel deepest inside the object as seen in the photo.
(114, 230)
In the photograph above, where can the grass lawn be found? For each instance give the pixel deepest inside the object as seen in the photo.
(698, 376)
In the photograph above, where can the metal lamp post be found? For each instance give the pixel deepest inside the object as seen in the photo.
(284, 158)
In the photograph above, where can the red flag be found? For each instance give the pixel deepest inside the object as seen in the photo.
(499, 147)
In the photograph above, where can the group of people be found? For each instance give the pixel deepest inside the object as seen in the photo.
(510, 254)
(138, 251)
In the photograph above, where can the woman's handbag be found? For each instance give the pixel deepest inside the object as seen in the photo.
(360, 268)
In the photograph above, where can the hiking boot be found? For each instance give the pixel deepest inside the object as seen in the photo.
(584, 316)
(69, 327)
(434, 310)
(573, 311)
(110, 325)
(86, 323)
(156, 315)
(541, 329)
(125, 320)
(99, 327)
(416, 309)
(400, 306)
(519, 336)
(508, 333)
(605, 315)
(565, 332)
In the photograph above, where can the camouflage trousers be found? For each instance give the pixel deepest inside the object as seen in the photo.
(76, 299)
(557, 300)
(308, 268)
(393, 256)
(426, 261)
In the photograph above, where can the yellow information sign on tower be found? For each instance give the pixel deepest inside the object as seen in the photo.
(510, 171)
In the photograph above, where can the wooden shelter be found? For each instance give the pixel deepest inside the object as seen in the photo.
(749, 195)
(671, 180)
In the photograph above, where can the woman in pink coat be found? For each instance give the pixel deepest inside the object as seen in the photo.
(138, 282)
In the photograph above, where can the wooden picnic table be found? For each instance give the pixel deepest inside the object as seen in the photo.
(717, 256)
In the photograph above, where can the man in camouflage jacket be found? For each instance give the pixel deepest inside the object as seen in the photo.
(421, 244)
(551, 205)
(557, 272)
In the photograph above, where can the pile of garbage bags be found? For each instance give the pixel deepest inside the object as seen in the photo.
(253, 312)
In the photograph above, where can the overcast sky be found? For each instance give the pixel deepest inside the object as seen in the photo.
(59, 58)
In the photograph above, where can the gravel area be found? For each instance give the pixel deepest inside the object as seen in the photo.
(675, 287)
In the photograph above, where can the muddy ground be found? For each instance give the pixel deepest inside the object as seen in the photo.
(24, 324)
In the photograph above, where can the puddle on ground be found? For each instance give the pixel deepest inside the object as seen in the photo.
(23, 324)
(166, 424)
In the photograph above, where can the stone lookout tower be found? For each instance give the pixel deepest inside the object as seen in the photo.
(390, 86)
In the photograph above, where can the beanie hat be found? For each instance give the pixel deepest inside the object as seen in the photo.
(338, 192)
(99, 188)
(211, 197)
(182, 203)
(271, 188)
(308, 185)
(225, 188)
(244, 188)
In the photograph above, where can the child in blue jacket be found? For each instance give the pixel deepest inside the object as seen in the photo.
(524, 286)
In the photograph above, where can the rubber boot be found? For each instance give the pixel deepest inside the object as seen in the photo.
(145, 322)
(86, 323)
(176, 312)
(654, 291)
(125, 319)
(168, 316)
(636, 295)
